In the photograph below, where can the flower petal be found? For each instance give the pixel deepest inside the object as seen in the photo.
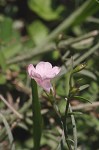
(42, 68)
(46, 85)
(43, 73)
(30, 68)
(56, 70)
(32, 72)
(53, 72)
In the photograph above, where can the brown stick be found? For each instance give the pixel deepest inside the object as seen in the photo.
(86, 106)
(11, 108)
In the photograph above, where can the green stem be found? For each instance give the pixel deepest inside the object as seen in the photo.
(37, 119)
(65, 125)
(63, 121)
(74, 128)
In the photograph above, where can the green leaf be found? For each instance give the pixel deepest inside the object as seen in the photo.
(75, 113)
(89, 74)
(37, 36)
(92, 92)
(44, 9)
(12, 50)
(84, 44)
(37, 119)
(82, 99)
(2, 61)
(83, 87)
(67, 81)
(62, 106)
(92, 7)
(5, 28)
(7, 33)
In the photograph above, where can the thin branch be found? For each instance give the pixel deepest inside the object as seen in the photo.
(65, 25)
(11, 108)
(68, 42)
(87, 54)
(86, 106)
(8, 129)
(50, 47)
(82, 57)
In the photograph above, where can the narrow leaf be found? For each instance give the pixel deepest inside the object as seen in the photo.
(10, 136)
(75, 113)
(83, 87)
(37, 119)
(81, 98)
(67, 82)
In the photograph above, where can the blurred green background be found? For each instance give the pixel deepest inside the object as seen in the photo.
(54, 31)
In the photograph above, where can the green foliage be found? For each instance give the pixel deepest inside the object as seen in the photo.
(45, 10)
(81, 99)
(7, 34)
(5, 28)
(2, 60)
(38, 31)
(37, 119)
(55, 31)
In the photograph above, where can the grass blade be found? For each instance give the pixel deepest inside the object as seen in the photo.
(82, 99)
(37, 119)
(10, 136)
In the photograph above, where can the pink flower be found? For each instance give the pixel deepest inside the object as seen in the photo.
(43, 73)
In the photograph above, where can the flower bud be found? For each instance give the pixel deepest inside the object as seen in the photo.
(79, 68)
